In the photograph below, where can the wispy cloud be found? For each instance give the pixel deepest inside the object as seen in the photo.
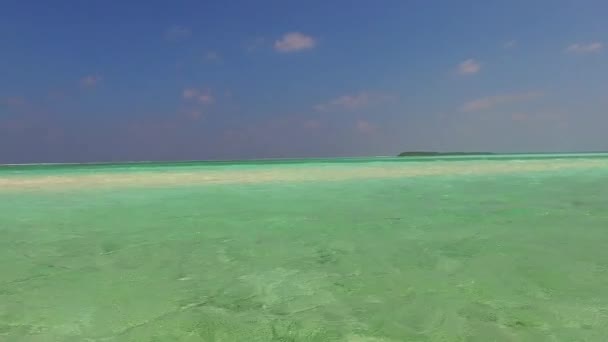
(312, 124)
(519, 117)
(510, 44)
(202, 96)
(352, 102)
(365, 127)
(469, 67)
(497, 100)
(213, 56)
(194, 114)
(294, 41)
(177, 33)
(90, 81)
(585, 48)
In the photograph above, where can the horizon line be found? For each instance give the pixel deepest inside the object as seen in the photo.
(464, 154)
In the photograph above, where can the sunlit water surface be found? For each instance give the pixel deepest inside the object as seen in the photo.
(510, 248)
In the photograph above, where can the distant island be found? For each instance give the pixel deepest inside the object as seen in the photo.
(439, 154)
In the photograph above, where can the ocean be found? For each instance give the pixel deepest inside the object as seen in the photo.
(483, 248)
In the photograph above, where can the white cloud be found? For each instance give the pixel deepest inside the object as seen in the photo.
(90, 81)
(469, 67)
(496, 100)
(202, 96)
(352, 102)
(177, 33)
(294, 41)
(510, 44)
(584, 48)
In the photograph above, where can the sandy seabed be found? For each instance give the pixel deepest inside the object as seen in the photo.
(175, 177)
(480, 250)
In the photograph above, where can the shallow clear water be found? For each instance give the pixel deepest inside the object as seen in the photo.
(363, 250)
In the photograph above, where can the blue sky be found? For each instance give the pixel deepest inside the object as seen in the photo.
(157, 80)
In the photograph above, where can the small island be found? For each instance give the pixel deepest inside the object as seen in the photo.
(441, 154)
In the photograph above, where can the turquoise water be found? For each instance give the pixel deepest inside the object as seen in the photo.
(507, 248)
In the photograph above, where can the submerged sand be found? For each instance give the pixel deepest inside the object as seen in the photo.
(228, 175)
(478, 250)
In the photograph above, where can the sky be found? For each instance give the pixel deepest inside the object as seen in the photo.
(86, 81)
